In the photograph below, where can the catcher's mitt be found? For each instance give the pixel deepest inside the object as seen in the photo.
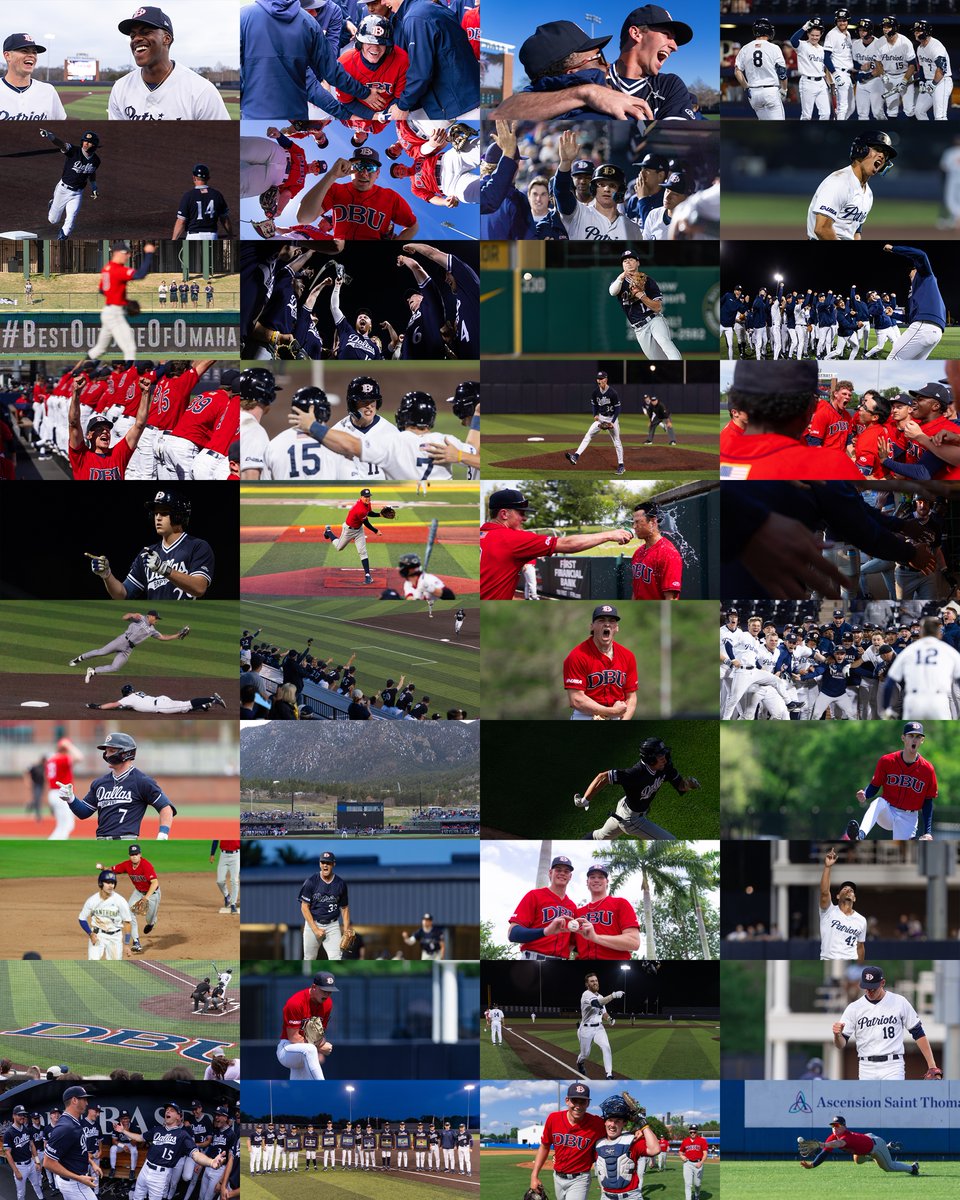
(388, 512)
(536, 1193)
(183, 632)
(605, 425)
(347, 938)
(933, 1073)
(140, 907)
(808, 1147)
(269, 201)
(313, 1031)
(133, 308)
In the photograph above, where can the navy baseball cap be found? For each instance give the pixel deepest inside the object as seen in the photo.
(553, 41)
(366, 154)
(658, 18)
(775, 375)
(222, 1111)
(870, 978)
(654, 162)
(838, 612)
(72, 1093)
(605, 612)
(147, 16)
(328, 857)
(507, 498)
(323, 979)
(601, 375)
(630, 254)
(581, 166)
(19, 1111)
(152, 612)
(913, 727)
(903, 398)
(578, 1091)
(22, 41)
(935, 391)
(174, 1105)
(678, 182)
(837, 1121)
(561, 861)
(134, 850)
(596, 869)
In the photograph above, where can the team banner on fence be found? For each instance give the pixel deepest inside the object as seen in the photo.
(810, 1104)
(51, 334)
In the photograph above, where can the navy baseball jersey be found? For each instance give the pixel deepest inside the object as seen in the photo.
(354, 345)
(79, 170)
(18, 1141)
(640, 783)
(270, 1137)
(67, 1145)
(467, 307)
(200, 1128)
(122, 801)
(191, 555)
(421, 338)
(202, 208)
(325, 899)
(606, 404)
(637, 313)
(91, 1131)
(247, 641)
(39, 1135)
(430, 940)
(167, 1146)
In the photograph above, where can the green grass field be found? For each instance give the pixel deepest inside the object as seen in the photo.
(573, 425)
(48, 860)
(947, 348)
(750, 214)
(506, 1175)
(683, 1051)
(42, 637)
(448, 672)
(761, 1180)
(93, 106)
(354, 1185)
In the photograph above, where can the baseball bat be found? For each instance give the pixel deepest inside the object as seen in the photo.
(453, 229)
(431, 539)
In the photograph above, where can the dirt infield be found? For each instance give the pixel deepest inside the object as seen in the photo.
(540, 1057)
(697, 439)
(420, 624)
(339, 581)
(186, 919)
(650, 460)
(391, 533)
(67, 695)
(144, 172)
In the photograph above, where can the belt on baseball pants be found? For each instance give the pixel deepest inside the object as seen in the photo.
(109, 930)
(153, 1168)
(592, 1025)
(815, 78)
(536, 954)
(755, 87)
(575, 1175)
(881, 1057)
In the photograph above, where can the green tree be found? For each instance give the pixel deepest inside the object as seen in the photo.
(492, 949)
(656, 862)
(292, 856)
(678, 936)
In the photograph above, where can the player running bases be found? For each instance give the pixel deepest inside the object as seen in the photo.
(593, 1013)
(640, 784)
(842, 202)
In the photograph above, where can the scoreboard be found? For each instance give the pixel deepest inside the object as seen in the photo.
(352, 815)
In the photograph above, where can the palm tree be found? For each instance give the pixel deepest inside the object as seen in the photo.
(657, 863)
(702, 873)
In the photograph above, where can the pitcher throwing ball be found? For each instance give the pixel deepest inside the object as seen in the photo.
(642, 302)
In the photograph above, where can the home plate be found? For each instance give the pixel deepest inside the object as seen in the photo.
(33, 703)
(536, 439)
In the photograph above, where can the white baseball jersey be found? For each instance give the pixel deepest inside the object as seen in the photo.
(183, 96)
(495, 1014)
(897, 57)
(767, 659)
(728, 635)
(950, 161)
(400, 455)
(865, 53)
(810, 58)
(931, 57)
(591, 1010)
(294, 454)
(362, 469)
(107, 914)
(39, 102)
(840, 933)
(745, 648)
(928, 667)
(141, 702)
(655, 228)
(587, 224)
(759, 61)
(426, 585)
(840, 46)
(843, 198)
(878, 1028)
(253, 443)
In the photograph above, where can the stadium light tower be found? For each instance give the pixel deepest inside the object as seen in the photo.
(593, 20)
(625, 967)
(468, 1088)
(349, 1089)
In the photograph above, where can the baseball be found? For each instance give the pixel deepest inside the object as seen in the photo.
(573, 925)
(302, 529)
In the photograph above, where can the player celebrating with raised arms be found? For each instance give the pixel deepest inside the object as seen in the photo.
(815, 66)
(842, 931)
(599, 219)
(842, 202)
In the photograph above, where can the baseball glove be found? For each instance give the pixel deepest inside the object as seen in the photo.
(637, 1111)
(605, 425)
(93, 705)
(291, 349)
(388, 512)
(808, 1147)
(691, 784)
(266, 228)
(536, 1193)
(933, 1073)
(313, 1031)
(347, 938)
(133, 308)
(269, 201)
(140, 907)
(183, 632)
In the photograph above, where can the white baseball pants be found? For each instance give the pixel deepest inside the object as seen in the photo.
(330, 943)
(64, 206)
(767, 103)
(918, 340)
(614, 437)
(655, 340)
(263, 164)
(114, 328)
(814, 98)
(301, 1058)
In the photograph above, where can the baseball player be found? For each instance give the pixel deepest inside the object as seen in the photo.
(609, 928)
(166, 1145)
(545, 917)
(877, 1022)
(909, 786)
(160, 89)
(121, 797)
(573, 1134)
(420, 1146)
(139, 629)
(593, 1013)
(257, 389)
(65, 1155)
(228, 867)
(640, 784)
(448, 1142)
(742, 648)
(843, 932)
(255, 1149)
(375, 61)
(430, 938)
(864, 48)
(327, 1139)
(926, 670)
(294, 454)
(420, 586)
(23, 97)
(293, 1149)
(622, 1157)
(600, 675)
(79, 169)
(433, 1154)
(761, 71)
(246, 643)
(464, 1150)
(324, 899)
(142, 702)
(693, 1151)
(495, 1015)
(369, 1144)
(662, 1155)
(38, 1132)
(103, 917)
(93, 1136)
(606, 417)
(293, 1050)
(656, 566)
(120, 1143)
(145, 898)
(22, 1153)
(842, 202)
(349, 1139)
(404, 1140)
(113, 286)
(202, 1129)
(269, 1147)
(361, 210)
(601, 219)
(840, 46)
(933, 64)
(352, 530)
(178, 567)
(387, 1140)
(90, 452)
(642, 302)
(202, 210)
(862, 1146)
(815, 66)
(732, 306)
(458, 619)
(895, 66)
(58, 769)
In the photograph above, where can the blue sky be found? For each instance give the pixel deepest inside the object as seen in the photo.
(507, 21)
(387, 1098)
(863, 374)
(526, 1102)
(389, 852)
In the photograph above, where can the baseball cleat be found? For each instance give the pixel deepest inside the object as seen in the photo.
(136, 948)
(580, 1065)
(795, 705)
(673, 443)
(74, 662)
(148, 929)
(914, 1168)
(225, 909)
(233, 909)
(571, 457)
(218, 699)
(368, 578)
(853, 832)
(328, 533)
(648, 442)
(91, 671)
(621, 469)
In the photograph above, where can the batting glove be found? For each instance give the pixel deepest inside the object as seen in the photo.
(100, 565)
(158, 565)
(66, 792)
(619, 995)
(580, 802)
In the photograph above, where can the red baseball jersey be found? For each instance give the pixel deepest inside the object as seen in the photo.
(131, 396)
(388, 76)
(169, 399)
(905, 785)
(227, 429)
(201, 415)
(94, 395)
(914, 449)
(502, 555)
(229, 847)
(609, 916)
(87, 465)
(300, 1007)
(729, 437)
(656, 570)
(694, 1148)
(573, 1145)
(853, 1143)
(140, 875)
(359, 513)
(830, 424)
(296, 177)
(537, 909)
(664, 1145)
(605, 680)
(113, 282)
(424, 182)
(471, 26)
(366, 216)
(59, 769)
(773, 456)
(865, 452)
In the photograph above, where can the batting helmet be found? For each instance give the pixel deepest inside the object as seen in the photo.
(762, 28)
(873, 139)
(95, 423)
(126, 689)
(118, 748)
(416, 408)
(374, 31)
(312, 399)
(842, 14)
(408, 564)
(922, 28)
(866, 25)
(466, 397)
(608, 173)
(90, 136)
(892, 22)
(815, 23)
(653, 748)
(257, 383)
(615, 1106)
(106, 877)
(362, 390)
(175, 503)
(201, 171)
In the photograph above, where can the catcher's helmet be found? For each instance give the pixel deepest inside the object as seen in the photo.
(201, 171)
(374, 31)
(408, 564)
(257, 383)
(312, 399)
(922, 28)
(362, 390)
(762, 28)
(118, 748)
(608, 173)
(873, 139)
(892, 22)
(90, 136)
(653, 748)
(106, 877)
(866, 25)
(615, 1106)
(177, 504)
(416, 408)
(466, 397)
(127, 689)
(95, 423)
